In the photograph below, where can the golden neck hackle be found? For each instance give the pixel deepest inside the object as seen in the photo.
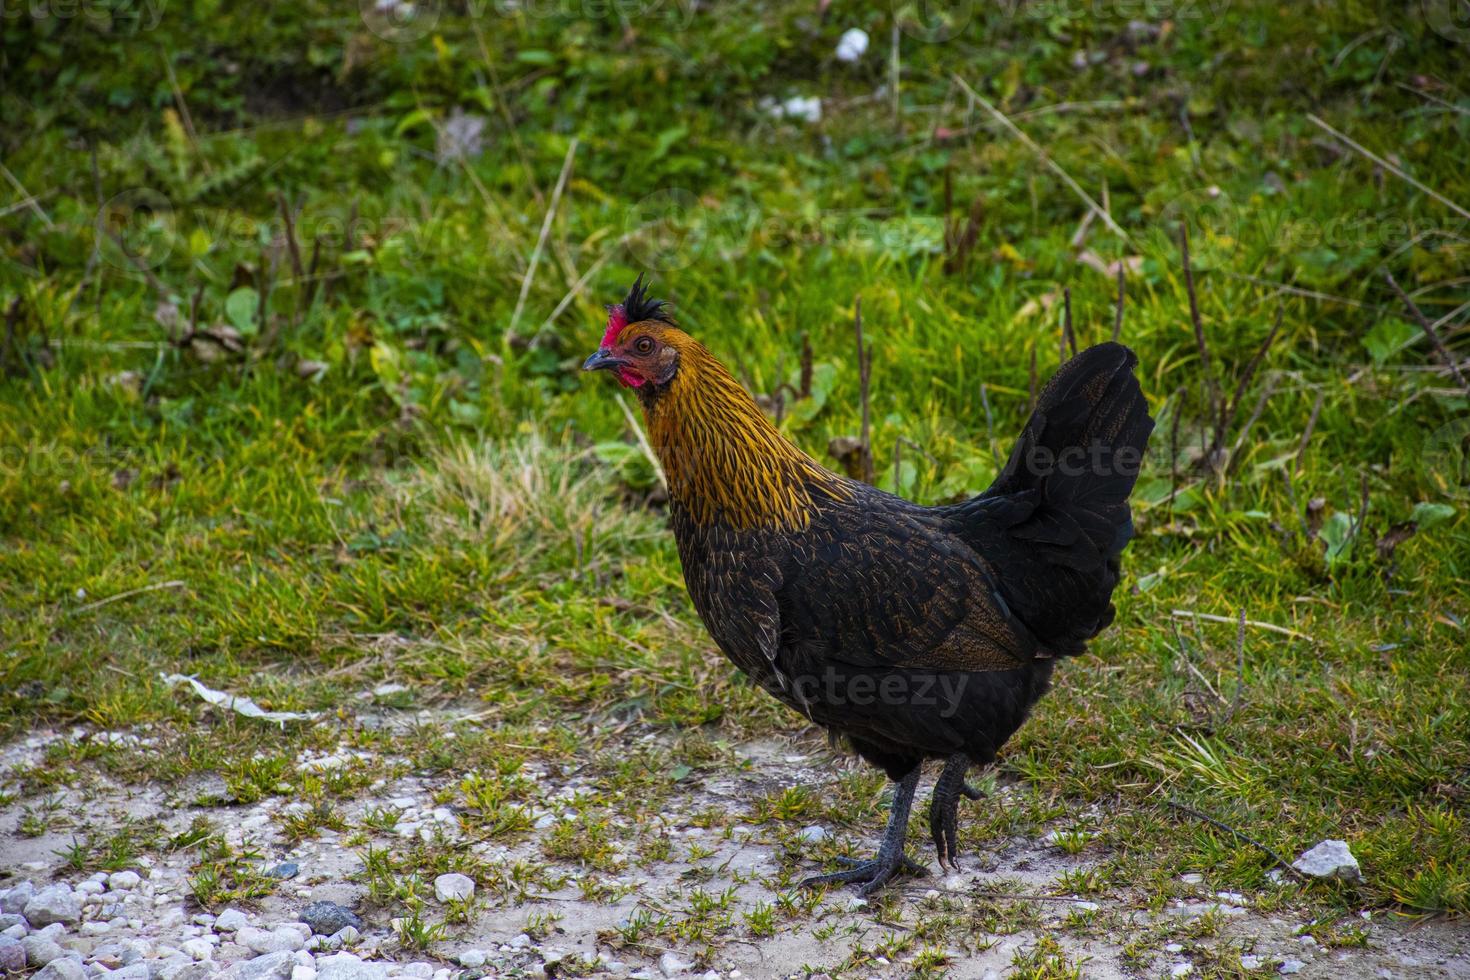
(723, 458)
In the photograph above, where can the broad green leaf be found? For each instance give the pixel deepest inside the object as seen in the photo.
(240, 308)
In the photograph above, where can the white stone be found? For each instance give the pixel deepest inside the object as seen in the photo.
(303, 973)
(421, 970)
(852, 45)
(90, 888)
(230, 920)
(454, 887)
(1329, 859)
(53, 904)
(1181, 969)
(1250, 961)
(805, 108)
(124, 881)
(64, 968)
(813, 835)
(1174, 948)
(199, 949)
(1290, 966)
(1192, 878)
(345, 966)
(271, 966)
(269, 941)
(472, 958)
(672, 966)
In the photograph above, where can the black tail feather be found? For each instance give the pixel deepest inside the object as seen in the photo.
(1056, 519)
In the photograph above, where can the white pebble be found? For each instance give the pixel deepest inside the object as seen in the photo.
(454, 887)
(852, 45)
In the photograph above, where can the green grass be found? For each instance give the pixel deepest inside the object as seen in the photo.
(389, 477)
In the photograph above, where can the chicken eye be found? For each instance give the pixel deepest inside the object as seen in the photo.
(643, 345)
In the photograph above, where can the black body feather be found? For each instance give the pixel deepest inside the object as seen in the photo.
(921, 632)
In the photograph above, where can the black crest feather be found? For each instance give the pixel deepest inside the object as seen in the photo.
(639, 306)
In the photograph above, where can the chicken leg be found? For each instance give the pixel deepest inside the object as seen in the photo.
(944, 823)
(872, 875)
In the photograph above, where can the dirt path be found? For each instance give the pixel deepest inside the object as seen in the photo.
(718, 890)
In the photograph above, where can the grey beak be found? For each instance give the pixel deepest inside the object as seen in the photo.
(601, 360)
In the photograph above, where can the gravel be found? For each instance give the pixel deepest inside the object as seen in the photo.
(454, 887)
(55, 903)
(124, 881)
(231, 920)
(271, 966)
(65, 968)
(14, 899)
(346, 966)
(12, 955)
(270, 940)
(325, 918)
(40, 950)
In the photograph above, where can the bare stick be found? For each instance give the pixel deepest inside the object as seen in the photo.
(643, 443)
(298, 270)
(311, 281)
(1271, 627)
(1069, 341)
(27, 198)
(865, 361)
(187, 119)
(1251, 420)
(1250, 370)
(581, 283)
(1428, 328)
(1239, 665)
(12, 315)
(989, 426)
(1194, 319)
(1031, 398)
(1396, 171)
(1296, 510)
(1118, 314)
(1178, 413)
(510, 124)
(805, 390)
(1243, 836)
(1362, 518)
(561, 183)
(1051, 164)
(1301, 447)
(139, 264)
(893, 77)
(175, 584)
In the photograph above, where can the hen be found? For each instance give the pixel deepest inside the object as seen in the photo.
(913, 632)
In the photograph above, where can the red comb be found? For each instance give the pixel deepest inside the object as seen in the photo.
(617, 319)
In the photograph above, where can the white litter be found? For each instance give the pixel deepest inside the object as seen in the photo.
(854, 42)
(240, 705)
